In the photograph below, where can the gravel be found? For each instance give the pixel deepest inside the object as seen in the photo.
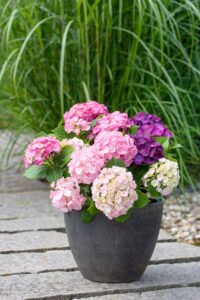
(181, 217)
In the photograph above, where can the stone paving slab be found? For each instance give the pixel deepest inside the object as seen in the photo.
(30, 224)
(175, 252)
(26, 205)
(17, 182)
(40, 240)
(54, 284)
(36, 262)
(164, 237)
(63, 259)
(191, 293)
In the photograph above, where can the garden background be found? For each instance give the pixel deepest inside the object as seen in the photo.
(141, 55)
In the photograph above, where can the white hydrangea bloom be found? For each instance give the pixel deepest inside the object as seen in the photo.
(163, 175)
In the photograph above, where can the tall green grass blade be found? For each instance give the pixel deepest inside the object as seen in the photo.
(62, 57)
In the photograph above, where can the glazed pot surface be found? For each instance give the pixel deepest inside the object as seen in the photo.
(108, 251)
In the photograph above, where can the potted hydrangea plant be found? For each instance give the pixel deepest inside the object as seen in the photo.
(107, 173)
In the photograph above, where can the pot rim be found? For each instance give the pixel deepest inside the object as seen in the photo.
(156, 201)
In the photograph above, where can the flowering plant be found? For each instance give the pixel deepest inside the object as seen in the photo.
(101, 162)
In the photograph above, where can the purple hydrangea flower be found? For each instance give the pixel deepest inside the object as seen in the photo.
(149, 151)
(143, 119)
(151, 125)
(155, 130)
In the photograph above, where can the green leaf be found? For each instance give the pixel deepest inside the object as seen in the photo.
(138, 173)
(153, 192)
(115, 162)
(64, 156)
(61, 123)
(133, 129)
(41, 133)
(123, 218)
(60, 132)
(66, 173)
(54, 173)
(86, 191)
(163, 141)
(36, 172)
(142, 200)
(86, 217)
(83, 135)
(92, 208)
(94, 122)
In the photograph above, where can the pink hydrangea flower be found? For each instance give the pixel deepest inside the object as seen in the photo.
(79, 117)
(115, 144)
(39, 149)
(111, 122)
(114, 191)
(85, 165)
(65, 194)
(74, 142)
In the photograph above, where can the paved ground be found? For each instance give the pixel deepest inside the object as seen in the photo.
(36, 261)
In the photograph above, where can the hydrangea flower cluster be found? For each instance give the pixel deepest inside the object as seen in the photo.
(155, 130)
(40, 149)
(85, 165)
(112, 122)
(106, 140)
(79, 117)
(65, 194)
(145, 119)
(115, 144)
(163, 175)
(114, 191)
(78, 144)
(149, 151)
(150, 124)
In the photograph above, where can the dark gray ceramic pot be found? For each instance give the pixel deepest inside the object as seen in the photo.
(108, 251)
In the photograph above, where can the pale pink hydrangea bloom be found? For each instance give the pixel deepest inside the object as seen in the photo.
(65, 194)
(115, 144)
(114, 191)
(79, 117)
(111, 122)
(85, 165)
(74, 142)
(39, 149)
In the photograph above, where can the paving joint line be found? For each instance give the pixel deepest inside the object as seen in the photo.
(61, 229)
(74, 269)
(115, 292)
(175, 260)
(40, 272)
(34, 250)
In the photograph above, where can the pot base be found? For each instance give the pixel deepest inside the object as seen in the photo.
(113, 279)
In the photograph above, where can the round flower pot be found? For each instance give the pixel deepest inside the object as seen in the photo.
(108, 251)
